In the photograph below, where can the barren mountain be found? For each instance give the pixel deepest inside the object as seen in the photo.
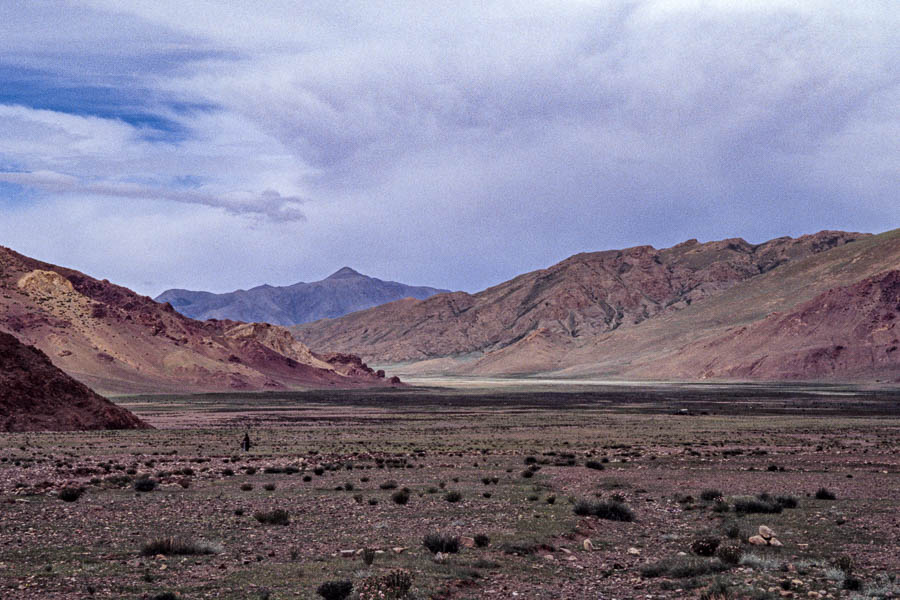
(36, 396)
(117, 341)
(846, 332)
(343, 292)
(534, 323)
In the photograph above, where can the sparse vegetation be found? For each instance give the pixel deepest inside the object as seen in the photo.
(436, 542)
(174, 546)
(273, 517)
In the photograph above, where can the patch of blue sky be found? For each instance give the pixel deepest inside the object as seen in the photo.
(154, 116)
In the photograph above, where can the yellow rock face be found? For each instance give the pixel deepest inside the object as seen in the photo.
(49, 283)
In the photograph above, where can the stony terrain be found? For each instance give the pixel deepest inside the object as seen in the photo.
(342, 292)
(36, 396)
(103, 514)
(114, 340)
(641, 313)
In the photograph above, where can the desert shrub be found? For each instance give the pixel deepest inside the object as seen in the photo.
(527, 473)
(786, 501)
(594, 464)
(335, 590)
(453, 496)
(730, 554)
(250, 470)
(392, 586)
(373, 501)
(551, 499)
(720, 506)
(290, 470)
(400, 497)
(273, 470)
(145, 484)
(613, 511)
(436, 542)
(319, 471)
(172, 546)
(228, 472)
(717, 590)
(368, 556)
(532, 497)
(166, 596)
(852, 584)
(70, 494)
(273, 517)
(482, 540)
(246, 487)
(760, 563)
(348, 487)
(711, 495)
(705, 546)
(239, 512)
(486, 480)
(530, 460)
(756, 505)
(307, 478)
(390, 484)
(825, 494)
(487, 494)
(269, 487)
(844, 563)
(683, 566)
(583, 508)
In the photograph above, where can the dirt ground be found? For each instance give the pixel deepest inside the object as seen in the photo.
(521, 458)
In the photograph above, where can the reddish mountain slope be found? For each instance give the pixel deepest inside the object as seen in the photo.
(571, 304)
(36, 396)
(845, 333)
(117, 341)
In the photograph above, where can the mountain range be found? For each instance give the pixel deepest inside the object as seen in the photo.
(818, 306)
(116, 341)
(343, 292)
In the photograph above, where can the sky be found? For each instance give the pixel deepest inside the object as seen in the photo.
(222, 145)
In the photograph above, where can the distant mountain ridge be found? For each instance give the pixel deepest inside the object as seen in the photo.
(343, 292)
(116, 341)
(821, 306)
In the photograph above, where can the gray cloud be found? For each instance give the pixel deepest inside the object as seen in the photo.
(460, 146)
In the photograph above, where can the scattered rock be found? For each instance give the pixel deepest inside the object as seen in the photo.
(758, 540)
(765, 532)
(588, 544)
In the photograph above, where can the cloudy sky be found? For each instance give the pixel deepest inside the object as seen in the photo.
(221, 145)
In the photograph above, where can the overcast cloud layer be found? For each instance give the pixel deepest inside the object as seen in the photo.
(214, 145)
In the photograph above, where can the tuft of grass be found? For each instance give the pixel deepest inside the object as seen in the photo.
(756, 505)
(335, 590)
(453, 496)
(825, 494)
(70, 494)
(436, 542)
(145, 484)
(711, 495)
(273, 517)
(174, 546)
(611, 510)
(400, 497)
(682, 567)
(759, 562)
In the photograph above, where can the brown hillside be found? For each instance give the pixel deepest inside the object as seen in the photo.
(117, 341)
(37, 396)
(845, 333)
(575, 303)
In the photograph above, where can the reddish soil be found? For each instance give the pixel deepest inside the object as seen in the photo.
(36, 396)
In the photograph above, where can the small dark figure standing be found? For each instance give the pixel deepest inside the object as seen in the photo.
(245, 445)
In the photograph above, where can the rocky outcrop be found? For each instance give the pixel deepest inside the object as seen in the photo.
(37, 396)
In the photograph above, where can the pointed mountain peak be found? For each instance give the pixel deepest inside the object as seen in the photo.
(345, 273)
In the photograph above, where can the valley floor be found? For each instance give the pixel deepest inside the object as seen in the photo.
(521, 460)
